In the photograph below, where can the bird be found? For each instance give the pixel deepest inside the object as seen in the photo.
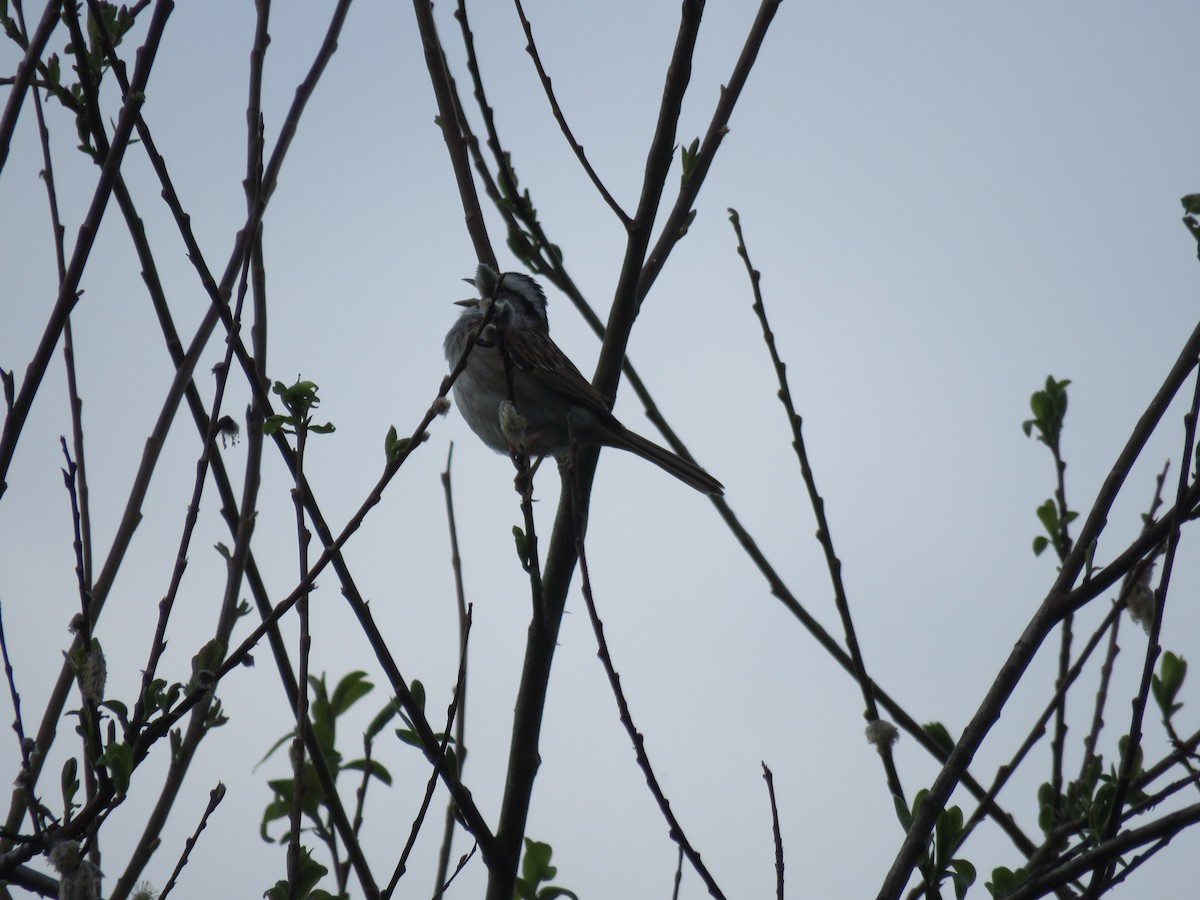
(518, 390)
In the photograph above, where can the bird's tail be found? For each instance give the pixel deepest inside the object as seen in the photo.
(685, 470)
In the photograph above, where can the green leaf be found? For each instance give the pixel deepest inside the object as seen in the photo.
(687, 158)
(69, 780)
(372, 768)
(1005, 881)
(1191, 203)
(522, 543)
(391, 445)
(937, 731)
(1047, 514)
(352, 688)
(381, 719)
(205, 664)
(946, 832)
(1040, 543)
(409, 737)
(274, 423)
(118, 709)
(687, 223)
(963, 877)
(309, 875)
(1167, 683)
(118, 759)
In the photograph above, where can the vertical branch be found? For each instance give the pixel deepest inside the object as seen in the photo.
(1131, 581)
(628, 297)
(74, 401)
(770, 780)
(303, 537)
(1063, 545)
(460, 722)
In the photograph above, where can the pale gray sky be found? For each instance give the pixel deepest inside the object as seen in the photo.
(947, 201)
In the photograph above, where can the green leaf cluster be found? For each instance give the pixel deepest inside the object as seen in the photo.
(535, 870)
(1005, 881)
(1056, 529)
(409, 734)
(937, 862)
(299, 399)
(325, 709)
(309, 876)
(1083, 809)
(1049, 410)
(395, 446)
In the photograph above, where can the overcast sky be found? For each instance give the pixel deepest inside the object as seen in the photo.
(948, 202)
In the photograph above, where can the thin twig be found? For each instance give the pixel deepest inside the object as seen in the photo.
(639, 743)
(460, 722)
(25, 747)
(1106, 669)
(531, 49)
(824, 534)
(770, 780)
(462, 864)
(215, 796)
(303, 539)
(74, 401)
(676, 221)
(439, 762)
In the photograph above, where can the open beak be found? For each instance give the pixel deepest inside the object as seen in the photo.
(470, 301)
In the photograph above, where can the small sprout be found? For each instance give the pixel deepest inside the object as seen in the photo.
(300, 399)
(1049, 410)
(687, 158)
(395, 446)
(441, 406)
(881, 734)
(522, 543)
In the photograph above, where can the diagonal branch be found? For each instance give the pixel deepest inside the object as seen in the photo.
(531, 49)
(1059, 601)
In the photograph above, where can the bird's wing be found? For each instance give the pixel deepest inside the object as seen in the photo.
(535, 354)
